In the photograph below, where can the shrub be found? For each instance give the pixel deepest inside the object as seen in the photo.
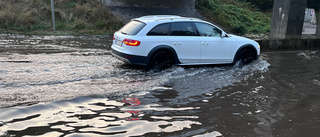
(234, 15)
(71, 15)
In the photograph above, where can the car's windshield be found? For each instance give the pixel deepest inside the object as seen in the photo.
(132, 28)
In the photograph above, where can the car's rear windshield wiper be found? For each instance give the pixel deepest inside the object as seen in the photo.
(124, 33)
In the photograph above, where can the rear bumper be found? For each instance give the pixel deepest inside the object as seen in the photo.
(130, 59)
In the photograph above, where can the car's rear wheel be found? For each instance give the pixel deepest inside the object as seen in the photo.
(161, 60)
(246, 56)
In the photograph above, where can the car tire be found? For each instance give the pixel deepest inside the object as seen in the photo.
(246, 56)
(161, 60)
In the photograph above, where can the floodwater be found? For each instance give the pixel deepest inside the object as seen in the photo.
(71, 86)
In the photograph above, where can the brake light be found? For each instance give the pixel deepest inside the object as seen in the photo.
(113, 37)
(131, 42)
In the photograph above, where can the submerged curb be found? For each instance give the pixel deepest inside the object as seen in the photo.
(289, 44)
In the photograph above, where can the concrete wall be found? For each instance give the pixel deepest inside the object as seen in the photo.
(125, 10)
(182, 4)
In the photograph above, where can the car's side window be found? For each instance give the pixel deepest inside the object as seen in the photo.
(206, 30)
(182, 29)
(160, 30)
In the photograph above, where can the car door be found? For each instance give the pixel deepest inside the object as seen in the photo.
(183, 39)
(214, 48)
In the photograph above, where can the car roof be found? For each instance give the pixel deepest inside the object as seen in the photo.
(166, 18)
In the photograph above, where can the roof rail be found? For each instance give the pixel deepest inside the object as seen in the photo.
(155, 17)
(164, 17)
(178, 18)
(160, 16)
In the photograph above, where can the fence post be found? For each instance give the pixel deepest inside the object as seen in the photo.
(53, 20)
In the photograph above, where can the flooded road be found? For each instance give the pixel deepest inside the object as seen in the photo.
(71, 86)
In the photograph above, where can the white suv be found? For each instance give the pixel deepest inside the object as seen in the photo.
(162, 41)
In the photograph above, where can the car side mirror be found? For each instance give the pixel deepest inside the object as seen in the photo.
(223, 34)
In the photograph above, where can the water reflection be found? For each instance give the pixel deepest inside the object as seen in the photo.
(92, 117)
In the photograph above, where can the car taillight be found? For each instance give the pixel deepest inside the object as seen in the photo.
(113, 37)
(131, 42)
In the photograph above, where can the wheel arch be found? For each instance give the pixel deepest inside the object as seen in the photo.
(163, 48)
(246, 46)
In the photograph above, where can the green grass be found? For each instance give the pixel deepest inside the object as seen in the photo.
(72, 16)
(235, 16)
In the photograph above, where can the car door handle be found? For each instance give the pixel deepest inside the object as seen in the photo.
(205, 43)
(177, 43)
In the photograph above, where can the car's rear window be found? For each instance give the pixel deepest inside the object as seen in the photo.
(132, 28)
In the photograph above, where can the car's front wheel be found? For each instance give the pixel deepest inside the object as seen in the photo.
(161, 60)
(246, 56)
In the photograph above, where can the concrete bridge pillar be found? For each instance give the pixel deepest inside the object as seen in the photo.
(318, 24)
(287, 19)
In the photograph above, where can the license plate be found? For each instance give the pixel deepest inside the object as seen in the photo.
(119, 43)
